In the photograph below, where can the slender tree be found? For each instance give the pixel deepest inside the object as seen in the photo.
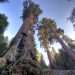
(44, 39)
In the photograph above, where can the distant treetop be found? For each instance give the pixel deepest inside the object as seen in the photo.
(31, 8)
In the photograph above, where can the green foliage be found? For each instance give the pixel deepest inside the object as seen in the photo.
(72, 16)
(38, 56)
(3, 40)
(45, 30)
(49, 26)
(32, 9)
(35, 9)
(48, 31)
(48, 22)
(3, 23)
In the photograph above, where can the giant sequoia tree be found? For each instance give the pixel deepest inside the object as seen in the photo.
(22, 49)
(23, 43)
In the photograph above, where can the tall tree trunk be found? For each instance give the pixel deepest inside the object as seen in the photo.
(28, 40)
(51, 62)
(66, 49)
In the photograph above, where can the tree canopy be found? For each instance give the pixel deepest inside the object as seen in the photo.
(31, 9)
(3, 22)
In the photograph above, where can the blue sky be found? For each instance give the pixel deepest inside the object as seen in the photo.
(58, 10)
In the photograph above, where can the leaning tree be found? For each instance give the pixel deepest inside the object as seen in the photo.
(55, 33)
(44, 39)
